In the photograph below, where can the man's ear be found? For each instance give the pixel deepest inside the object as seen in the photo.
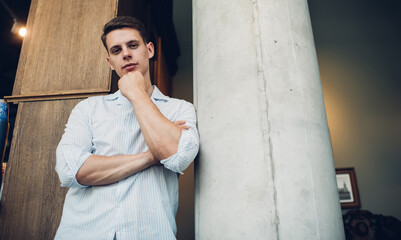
(108, 60)
(151, 49)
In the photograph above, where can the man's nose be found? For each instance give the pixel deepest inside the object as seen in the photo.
(126, 53)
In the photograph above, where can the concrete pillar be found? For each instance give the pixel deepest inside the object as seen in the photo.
(265, 169)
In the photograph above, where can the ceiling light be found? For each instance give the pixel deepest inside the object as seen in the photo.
(22, 31)
(18, 27)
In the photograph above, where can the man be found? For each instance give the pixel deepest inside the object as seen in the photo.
(121, 154)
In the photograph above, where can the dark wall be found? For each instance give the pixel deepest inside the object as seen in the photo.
(359, 53)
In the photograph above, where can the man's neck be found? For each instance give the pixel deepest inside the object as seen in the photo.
(150, 90)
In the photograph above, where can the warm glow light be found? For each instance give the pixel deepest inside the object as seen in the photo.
(18, 28)
(22, 32)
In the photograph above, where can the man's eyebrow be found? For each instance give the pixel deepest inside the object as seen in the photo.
(127, 43)
(132, 41)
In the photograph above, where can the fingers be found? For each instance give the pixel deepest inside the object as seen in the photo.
(180, 122)
(184, 127)
(181, 125)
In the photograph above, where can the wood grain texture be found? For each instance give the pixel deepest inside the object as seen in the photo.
(62, 50)
(32, 200)
(62, 56)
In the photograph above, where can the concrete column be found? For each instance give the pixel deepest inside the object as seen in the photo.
(265, 169)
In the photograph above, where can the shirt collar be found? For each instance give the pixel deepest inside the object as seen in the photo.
(158, 96)
(120, 99)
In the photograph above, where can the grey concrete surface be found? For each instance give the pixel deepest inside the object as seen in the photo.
(265, 168)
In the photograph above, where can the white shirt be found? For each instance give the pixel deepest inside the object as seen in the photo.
(142, 206)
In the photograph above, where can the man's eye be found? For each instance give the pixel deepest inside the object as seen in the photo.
(114, 51)
(133, 45)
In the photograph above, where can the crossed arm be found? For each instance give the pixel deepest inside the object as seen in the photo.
(161, 136)
(103, 170)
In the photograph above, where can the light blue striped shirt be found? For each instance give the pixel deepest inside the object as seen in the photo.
(142, 206)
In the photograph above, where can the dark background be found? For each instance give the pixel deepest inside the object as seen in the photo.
(10, 43)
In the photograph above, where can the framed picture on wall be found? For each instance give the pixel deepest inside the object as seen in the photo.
(347, 188)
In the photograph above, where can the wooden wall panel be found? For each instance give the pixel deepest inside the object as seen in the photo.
(32, 200)
(62, 50)
(62, 57)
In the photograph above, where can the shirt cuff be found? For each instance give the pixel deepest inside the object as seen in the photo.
(170, 163)
(74, 183)
(179, 161)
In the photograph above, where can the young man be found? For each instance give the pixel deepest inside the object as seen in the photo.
(121, 154)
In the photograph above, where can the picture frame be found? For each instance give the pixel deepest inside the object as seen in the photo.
(347, 188)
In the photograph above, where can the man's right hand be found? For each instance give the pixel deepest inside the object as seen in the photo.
(132, 84)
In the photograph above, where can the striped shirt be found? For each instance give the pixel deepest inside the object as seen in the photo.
(142, 206)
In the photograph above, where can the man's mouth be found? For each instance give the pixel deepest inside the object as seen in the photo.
(129, 66)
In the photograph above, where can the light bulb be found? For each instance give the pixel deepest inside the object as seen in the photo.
(22, 31)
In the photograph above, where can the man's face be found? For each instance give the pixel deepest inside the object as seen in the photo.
(128, 52)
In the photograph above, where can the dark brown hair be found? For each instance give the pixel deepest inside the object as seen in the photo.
(124, 22)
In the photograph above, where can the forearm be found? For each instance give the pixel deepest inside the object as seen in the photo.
(103, 170)
(160, 134)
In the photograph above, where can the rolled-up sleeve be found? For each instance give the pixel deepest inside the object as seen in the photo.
(188, 145)
(75, 146)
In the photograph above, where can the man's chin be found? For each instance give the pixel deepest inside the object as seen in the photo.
(126, 71)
